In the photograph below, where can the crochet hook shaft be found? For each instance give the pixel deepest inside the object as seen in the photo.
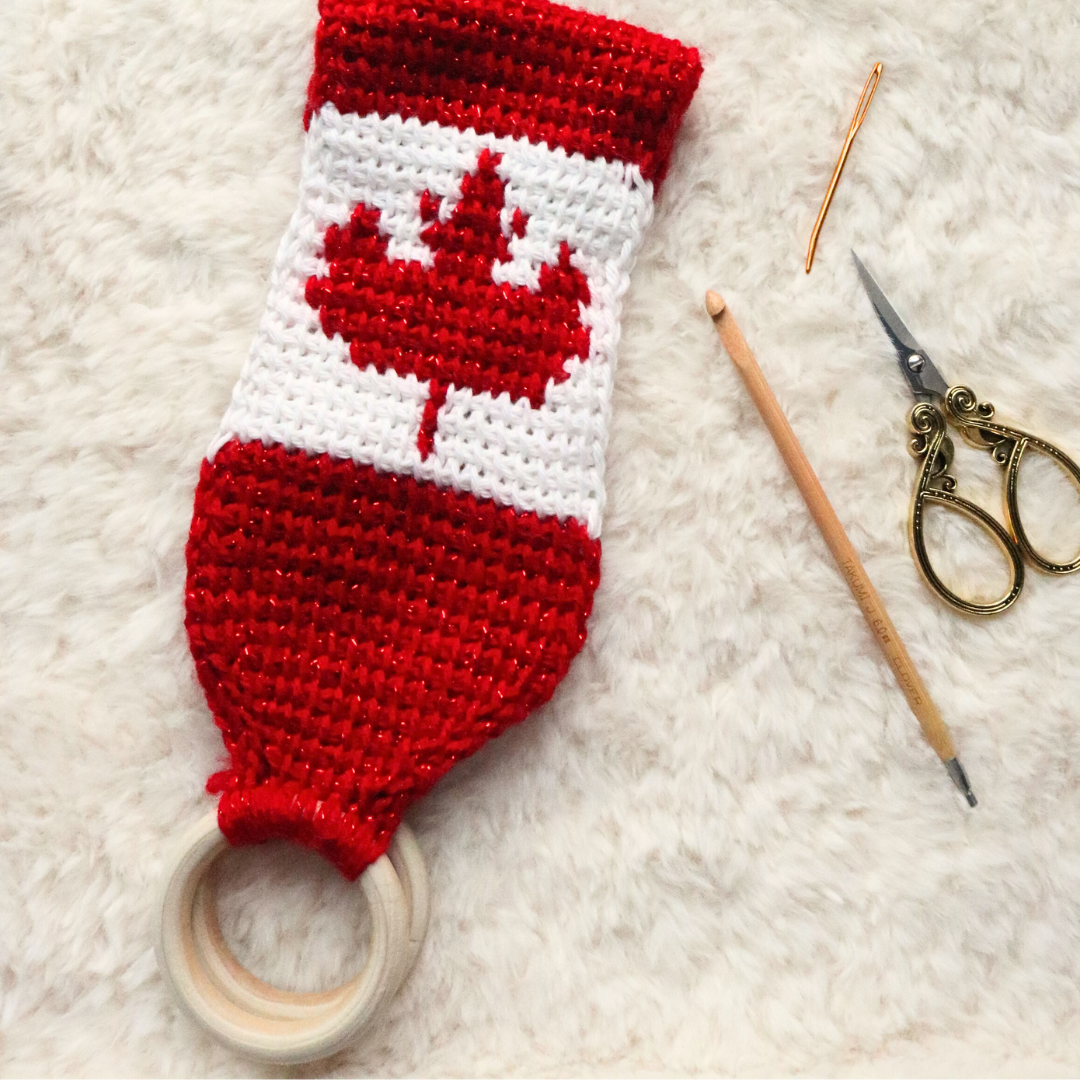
(926, 712)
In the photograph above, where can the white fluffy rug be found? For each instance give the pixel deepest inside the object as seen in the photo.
(724, 847)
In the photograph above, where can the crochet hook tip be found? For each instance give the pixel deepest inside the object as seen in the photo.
(714, 303)
(960, 779)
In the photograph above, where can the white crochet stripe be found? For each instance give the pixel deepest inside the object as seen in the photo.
(301, 389)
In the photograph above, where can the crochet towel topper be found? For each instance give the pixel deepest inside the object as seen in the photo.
(396, 534)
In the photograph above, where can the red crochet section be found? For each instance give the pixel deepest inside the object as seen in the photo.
(451, 323)
(524, 68)
(425, 441)
(356, 633)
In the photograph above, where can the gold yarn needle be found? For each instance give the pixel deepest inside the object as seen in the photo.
(867, 95)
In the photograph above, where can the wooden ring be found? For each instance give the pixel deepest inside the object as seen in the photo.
(256, 995)
(249, 1014)
(408, 861)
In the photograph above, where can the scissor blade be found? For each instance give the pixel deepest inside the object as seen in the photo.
(924, 379)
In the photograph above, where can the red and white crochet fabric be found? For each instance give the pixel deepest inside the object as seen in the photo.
(395, 541)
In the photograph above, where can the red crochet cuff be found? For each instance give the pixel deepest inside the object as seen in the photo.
(528, 68)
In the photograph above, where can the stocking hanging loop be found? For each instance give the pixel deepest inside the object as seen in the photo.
(252, 1016)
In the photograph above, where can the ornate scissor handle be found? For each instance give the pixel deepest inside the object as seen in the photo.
(932, 444)
(1007, 446)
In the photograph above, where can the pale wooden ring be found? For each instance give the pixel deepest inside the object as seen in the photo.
(252, 1016)
(251, 992)
(408, 861)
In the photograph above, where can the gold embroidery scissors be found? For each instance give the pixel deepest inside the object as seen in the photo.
(937, 406)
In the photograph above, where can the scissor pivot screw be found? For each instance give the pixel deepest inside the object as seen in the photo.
(915, 362)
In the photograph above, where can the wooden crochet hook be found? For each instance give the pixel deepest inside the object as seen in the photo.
(926, 712)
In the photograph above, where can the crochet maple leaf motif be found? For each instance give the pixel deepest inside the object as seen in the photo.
(450, 323)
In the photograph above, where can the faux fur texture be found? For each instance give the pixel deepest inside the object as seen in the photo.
(724, 846)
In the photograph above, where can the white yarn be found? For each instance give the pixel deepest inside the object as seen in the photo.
(302, 390)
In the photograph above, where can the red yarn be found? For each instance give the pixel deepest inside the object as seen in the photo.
(429, 421)
(356, 633)
(510, 67)
(452, 323)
